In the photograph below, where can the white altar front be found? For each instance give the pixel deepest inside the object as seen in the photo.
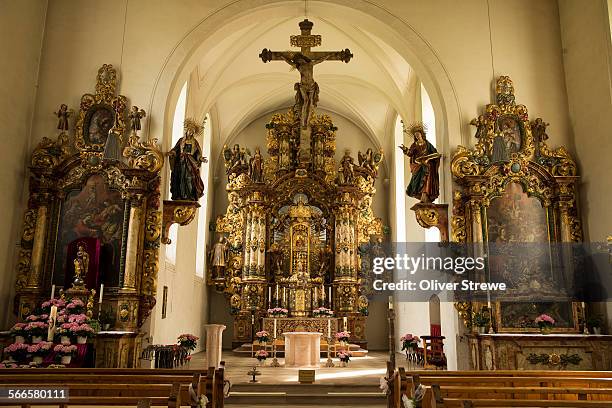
(302, 349)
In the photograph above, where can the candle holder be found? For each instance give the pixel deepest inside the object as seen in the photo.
(254, 373)
(275, 362)
(330, 362)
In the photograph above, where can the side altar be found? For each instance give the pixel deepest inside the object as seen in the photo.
(296, 220)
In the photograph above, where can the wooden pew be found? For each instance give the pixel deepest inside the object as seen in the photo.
(454, 396)
(488, 403)
(132, 384)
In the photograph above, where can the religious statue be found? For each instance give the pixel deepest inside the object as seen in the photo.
(538, 128)
(218, 258)
(256, 167)
(307, 90)
(135, 116)
(62, 116)
(346, 174)
(424, 162)
(185, 161)
(481, 126)
(81, 266)
(370, 161)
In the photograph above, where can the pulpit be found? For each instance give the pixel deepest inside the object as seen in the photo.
(214, 334)
(302, 349)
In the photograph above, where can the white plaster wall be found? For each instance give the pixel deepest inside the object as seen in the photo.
(22, 25)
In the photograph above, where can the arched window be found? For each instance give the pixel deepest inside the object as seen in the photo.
(177, 133)
(203, 212)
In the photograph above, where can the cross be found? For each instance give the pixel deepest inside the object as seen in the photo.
(307, 90)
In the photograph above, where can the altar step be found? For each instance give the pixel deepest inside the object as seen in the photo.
(245, 350)
(244, 395)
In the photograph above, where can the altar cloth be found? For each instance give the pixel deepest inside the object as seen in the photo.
(302, 349)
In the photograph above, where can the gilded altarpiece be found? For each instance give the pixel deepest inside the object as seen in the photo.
(77, 190)
(516, 204)
(294, 232)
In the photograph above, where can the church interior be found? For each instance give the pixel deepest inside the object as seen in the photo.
(358, 203)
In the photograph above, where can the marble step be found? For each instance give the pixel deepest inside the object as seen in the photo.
(246, 350)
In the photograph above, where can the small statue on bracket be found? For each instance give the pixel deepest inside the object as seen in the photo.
(346, 174)
(136, 116)
(62, 117)
(185, 161)
(256, 167)
(424, 162)
(218, 258)
(81, 266)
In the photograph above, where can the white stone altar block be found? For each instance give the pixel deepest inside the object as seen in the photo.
(302, 349)
(214, 335)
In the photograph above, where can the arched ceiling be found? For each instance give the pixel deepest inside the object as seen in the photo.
(241, 88)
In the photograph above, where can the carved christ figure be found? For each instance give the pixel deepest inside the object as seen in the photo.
(307, 90)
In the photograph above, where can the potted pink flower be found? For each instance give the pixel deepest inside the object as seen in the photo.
(76, 306)
(261, 356)
(65, 331)
(322, 312)
(59, 303)
(18, 332)
(189, 341)
(65, 352)
(278, 312)
(262, 336)
(82, 332)
(36, 330)
(545, 323)
(16, 351)
(343, 337)
(345, 357)
(39, 351)
(409, 343)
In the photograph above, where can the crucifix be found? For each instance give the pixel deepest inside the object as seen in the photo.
(307, 90)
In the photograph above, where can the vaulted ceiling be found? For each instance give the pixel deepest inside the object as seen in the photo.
(242, 88)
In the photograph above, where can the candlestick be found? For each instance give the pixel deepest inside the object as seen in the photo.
(275, 328)
(329, 301)
(345, 323)
(52, 291)
(390, 302)
(328, 328)
(285, 297)
(52, 323)
(276, 297)
(269, 297)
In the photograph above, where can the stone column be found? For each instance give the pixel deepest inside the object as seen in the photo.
(214, 336)
(40, 233)
(131, 253)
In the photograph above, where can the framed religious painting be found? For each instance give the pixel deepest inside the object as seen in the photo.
(517, 199)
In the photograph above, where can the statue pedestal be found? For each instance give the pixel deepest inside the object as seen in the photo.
(302, 349)
(214, 334)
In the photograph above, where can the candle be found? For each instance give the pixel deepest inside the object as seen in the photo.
(329, 328)
(284, 297)
(276, 294)
(329, 297)
(52, 322)
(274, 327)
(269, 296)
(390, 302)
(345, 323)
(316, 296)
(52, 291)
(101, 293)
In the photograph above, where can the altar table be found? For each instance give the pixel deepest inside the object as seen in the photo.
(302, 349)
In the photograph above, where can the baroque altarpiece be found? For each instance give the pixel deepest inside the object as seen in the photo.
(97, 188)
(517, 205)
(295, 230)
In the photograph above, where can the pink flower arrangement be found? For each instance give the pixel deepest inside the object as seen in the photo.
(78, 318)
(60, 303)
(65, 349)
(35, 318)
(189, 341)
(16, 348)
(344, 356)
(278, 312)
(343, 335)
(75, 304)
(8, 364)
(36, 328)
(409, 341)
(322, 312)
(18, 329)
(261, 355)
(544, 320)
(262, 336)
(42, 348)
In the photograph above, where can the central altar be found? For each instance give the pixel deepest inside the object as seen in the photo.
(297, 220)
(328, 327)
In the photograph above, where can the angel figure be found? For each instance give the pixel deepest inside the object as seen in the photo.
(538, 128)
(135, 116)
(424, 162)
(185, 161)
(62, 116)
(481, 127)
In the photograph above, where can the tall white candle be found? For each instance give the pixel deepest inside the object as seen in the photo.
(101, 294)
(276, 294)
(316, 296)
(52, 323)
(329, 300)
(52, 291)
(390, 302)
(269, 296)
(285, 297)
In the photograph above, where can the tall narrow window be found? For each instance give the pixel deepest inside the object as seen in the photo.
(429, 119)
(204, 200)
(177, 133)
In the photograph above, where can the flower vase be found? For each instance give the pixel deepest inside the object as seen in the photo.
(66, 359)
(65, 340)
(343, 363)
(37, 359)
(36, 339)
(81, 339)
(545, 329)
(343, 343)
(19, 339)
(261, 362)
